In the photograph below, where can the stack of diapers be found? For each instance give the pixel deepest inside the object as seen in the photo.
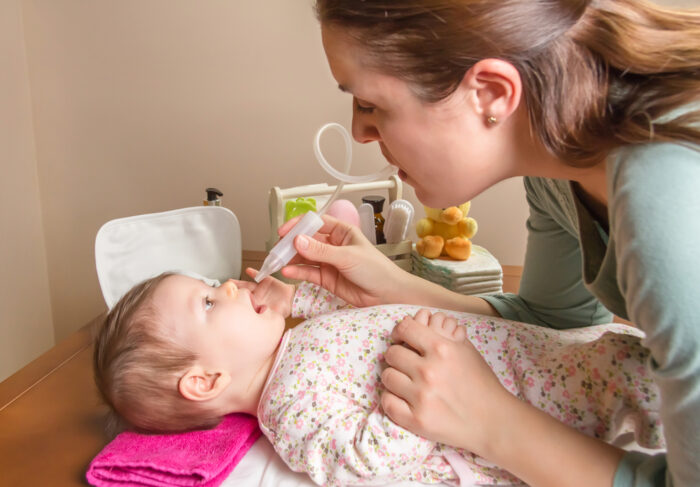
(481, 273)
(195, 459)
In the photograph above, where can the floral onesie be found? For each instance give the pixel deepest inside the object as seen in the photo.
(320, 408)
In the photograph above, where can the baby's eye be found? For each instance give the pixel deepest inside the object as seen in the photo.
(208, 303)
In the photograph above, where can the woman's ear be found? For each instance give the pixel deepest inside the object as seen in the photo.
(495, 89)
(200, 385)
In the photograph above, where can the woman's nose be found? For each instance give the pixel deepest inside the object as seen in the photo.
(230, 288)
(363, 130)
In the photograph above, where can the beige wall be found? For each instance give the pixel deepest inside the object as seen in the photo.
(25, 312)
(140, 105)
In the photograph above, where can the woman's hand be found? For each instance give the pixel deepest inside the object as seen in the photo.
(439, 386)
(340, 259)
(271, 292)
(442, 324)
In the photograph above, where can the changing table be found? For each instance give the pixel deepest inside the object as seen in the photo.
(51, 419)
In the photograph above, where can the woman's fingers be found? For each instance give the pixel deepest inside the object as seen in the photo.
(333, 231)
(459, 334)
(403, 359)
(396, 382)
(341, 233)
(422, 317)
(308, 273)
(396, 408)
(286, 226)
(437, 321)
(339, 257)
(413, 334)
(399, 391)
(411, 365)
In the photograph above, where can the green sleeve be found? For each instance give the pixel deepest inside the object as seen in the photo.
(639, 470)
(551, 292)
(655, 220)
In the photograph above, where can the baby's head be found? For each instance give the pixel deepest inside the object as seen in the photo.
(176, 354)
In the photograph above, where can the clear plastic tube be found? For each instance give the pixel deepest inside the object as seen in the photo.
(340, 176)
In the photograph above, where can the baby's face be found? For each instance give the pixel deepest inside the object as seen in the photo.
(223, 325)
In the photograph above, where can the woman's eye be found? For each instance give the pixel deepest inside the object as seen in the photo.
(363, 109)
(208, 304)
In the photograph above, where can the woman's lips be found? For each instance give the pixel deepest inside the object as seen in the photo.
(390, 159)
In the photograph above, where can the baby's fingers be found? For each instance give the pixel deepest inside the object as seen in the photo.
(251, 272)
(246, 284)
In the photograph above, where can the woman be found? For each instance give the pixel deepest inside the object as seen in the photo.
(596, 104)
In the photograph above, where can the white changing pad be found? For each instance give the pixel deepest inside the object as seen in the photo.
(262, 467)
(201, 240)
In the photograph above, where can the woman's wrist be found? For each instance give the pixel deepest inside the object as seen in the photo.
(541, 450)
(422, 292)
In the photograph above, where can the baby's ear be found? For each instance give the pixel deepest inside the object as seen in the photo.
(200, 385)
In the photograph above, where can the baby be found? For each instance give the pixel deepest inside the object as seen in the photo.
(176, 354)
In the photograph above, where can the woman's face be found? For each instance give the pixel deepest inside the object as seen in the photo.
(442, 149)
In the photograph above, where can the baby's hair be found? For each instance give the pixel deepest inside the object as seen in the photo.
(138, 366)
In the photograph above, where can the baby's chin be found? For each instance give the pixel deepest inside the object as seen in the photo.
(280, 322)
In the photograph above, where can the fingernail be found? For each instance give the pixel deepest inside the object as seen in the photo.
(302, 242)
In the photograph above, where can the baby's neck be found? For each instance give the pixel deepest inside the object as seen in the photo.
(248, 401)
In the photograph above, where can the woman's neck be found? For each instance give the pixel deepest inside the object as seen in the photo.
(533, 159)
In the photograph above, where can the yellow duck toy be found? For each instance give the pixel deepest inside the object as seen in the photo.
(446, 231)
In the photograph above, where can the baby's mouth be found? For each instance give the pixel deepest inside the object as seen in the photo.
(258, 309)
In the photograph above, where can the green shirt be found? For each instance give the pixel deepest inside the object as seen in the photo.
(645, 269)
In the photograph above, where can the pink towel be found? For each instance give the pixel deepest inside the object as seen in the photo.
(196, 459)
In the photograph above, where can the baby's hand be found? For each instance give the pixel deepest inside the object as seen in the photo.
(271, 292)
(445, 325)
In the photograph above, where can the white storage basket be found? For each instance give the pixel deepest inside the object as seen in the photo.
(400, 252)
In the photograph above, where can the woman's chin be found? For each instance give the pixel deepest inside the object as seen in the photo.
(432, 199)
(428, 198)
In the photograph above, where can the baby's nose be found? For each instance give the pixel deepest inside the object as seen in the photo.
(230, 288)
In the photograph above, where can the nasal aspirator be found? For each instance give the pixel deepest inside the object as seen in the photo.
(311, 222)
(284, 250)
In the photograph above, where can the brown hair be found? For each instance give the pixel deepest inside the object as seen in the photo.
(597, 74)
(137, 368)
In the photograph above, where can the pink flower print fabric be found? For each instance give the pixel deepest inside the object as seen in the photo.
(320, 408)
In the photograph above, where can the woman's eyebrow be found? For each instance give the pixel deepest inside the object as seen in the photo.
(346, 89)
